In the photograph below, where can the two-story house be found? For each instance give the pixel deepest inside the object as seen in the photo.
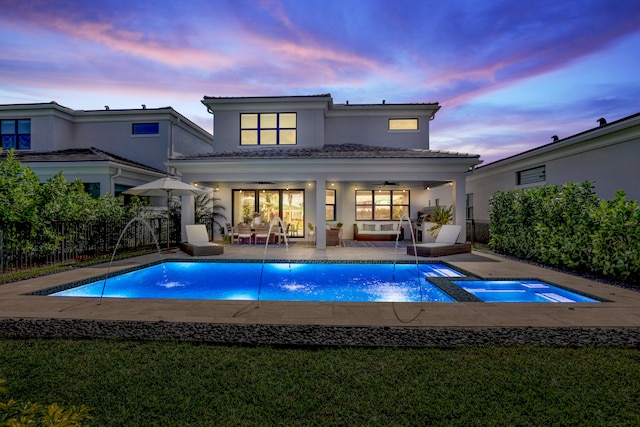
(310, 161)
(109, 150)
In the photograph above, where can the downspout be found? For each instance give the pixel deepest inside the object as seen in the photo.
(113, 181)
(170, 144)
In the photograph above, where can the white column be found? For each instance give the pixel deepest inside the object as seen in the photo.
(321, 213)
(459, 202)
(188, 214)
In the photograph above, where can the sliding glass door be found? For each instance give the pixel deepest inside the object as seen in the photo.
(262, 206)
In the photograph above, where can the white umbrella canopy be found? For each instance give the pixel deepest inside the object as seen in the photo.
(166, 186)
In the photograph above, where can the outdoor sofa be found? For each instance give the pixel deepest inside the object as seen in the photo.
(377, 231)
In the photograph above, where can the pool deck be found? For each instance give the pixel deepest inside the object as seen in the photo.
(621, 311)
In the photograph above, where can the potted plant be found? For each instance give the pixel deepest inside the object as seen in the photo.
(441, 216)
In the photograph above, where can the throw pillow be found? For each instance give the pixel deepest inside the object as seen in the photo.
(387, 227)
(369, 227)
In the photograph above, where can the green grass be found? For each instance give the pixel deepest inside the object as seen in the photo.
(182, 384)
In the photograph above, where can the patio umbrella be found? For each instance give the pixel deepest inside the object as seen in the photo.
(165, 186)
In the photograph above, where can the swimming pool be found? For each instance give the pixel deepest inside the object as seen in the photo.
(520, 291)
(281, 281)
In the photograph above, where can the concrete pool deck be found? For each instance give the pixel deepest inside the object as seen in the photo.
(621, 311)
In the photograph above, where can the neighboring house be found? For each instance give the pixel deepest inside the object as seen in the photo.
(308, 160)
(607, 155)
(109, 150)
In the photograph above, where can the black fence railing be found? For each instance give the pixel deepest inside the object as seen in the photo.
(67, 241)
(478, 232)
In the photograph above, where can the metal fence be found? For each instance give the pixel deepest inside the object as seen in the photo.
(478, 232)
(69, 241)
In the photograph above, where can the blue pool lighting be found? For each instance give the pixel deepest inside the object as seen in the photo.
(335, 282)
(520, 291)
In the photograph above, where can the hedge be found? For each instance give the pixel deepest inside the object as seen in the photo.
(569, 227)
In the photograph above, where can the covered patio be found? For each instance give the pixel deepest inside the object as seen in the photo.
(346, 184)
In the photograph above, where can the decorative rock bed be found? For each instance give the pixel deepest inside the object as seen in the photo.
(324, 336)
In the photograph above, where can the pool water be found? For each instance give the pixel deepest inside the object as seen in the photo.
(519, 291)
(337, 282)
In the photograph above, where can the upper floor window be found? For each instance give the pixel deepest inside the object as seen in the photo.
(381, 204)
(531, 176)
(268, 129)
(145, 128)
(403, 124)
(16, 134)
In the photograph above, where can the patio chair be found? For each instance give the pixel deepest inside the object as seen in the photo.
(198, 243)
(232, 232)
(262, 233)
(244, 232)
(282, 235)
(445, 243)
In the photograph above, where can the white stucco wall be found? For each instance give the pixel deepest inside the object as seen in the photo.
(606, 156)
(374, 130)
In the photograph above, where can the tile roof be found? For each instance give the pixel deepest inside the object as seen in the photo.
(335, 151)
(77, 155)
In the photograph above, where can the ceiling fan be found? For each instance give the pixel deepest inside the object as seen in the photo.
(386, 184)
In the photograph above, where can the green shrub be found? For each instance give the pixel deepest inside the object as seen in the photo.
(616, 238)
(568, 227)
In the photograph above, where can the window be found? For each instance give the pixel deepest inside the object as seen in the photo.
(470, 206)
(16, 134)
(381, 205)
(331, 205)
(532, 176)
(403, 124)
(268, 129)
(93, 188)
(145, 128)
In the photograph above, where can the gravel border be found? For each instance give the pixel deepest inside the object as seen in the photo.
(320, 336)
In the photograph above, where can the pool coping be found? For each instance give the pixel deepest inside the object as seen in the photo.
(621, 311)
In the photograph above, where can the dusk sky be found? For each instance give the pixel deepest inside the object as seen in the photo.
(508, 74)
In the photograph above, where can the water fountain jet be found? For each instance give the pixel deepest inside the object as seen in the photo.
(140, 219)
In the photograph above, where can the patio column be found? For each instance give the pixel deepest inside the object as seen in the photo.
(321, 213)
(459, 202)
(188, 213)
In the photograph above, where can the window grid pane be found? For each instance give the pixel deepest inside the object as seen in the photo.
(381, 205)
(16, 134)
(270, 129)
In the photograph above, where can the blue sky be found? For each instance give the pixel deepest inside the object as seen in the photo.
(508, 74)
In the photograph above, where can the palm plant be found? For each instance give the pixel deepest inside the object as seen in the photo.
(441, 216)
(208, 210)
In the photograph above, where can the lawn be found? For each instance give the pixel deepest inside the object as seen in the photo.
(166, 383)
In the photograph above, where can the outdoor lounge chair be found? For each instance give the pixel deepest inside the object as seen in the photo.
(445, 244)
(198, 243)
